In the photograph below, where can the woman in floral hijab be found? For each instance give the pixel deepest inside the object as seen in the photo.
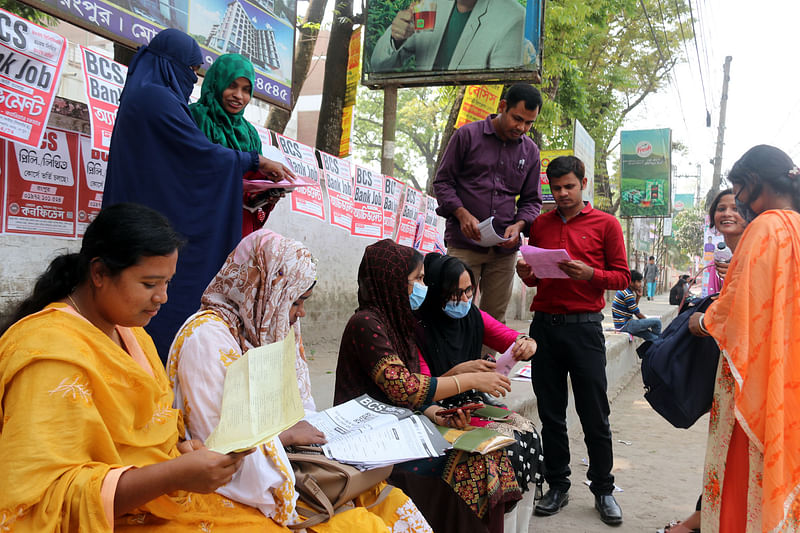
(257, 296)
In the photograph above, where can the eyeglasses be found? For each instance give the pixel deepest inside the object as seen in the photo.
(458, 294)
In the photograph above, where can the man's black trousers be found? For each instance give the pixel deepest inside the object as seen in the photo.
(577, 350)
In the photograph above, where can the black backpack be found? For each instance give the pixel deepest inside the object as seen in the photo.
(676, 294)
(679, 369)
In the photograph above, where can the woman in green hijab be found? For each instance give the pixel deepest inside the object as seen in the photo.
(226, 91)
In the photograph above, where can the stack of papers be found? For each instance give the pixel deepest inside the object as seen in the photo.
(489, 236)
(369, 434)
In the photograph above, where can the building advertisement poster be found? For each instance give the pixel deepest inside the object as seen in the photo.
(404, 40)
(41, 191)
(339, 184)
(104, 79)
(261, 30)
(303, 162)
(646, 172)
(545, 156)
(479, 102)
(368, 204)
(407, 227)
(31, 58)
(392, 193)
(430, 234)
(682, 201)
(583, 148)
(91, 181)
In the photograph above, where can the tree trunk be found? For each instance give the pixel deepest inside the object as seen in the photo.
(329, 128)
(449, 129)
(303, 54)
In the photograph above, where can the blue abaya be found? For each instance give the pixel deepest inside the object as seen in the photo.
(161, 159)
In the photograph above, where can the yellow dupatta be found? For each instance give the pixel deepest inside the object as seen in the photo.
(755, 321)
(74, 406)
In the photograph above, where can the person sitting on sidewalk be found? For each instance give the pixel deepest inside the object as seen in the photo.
(626, 305)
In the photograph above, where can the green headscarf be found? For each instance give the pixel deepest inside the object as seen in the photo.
(220, 126)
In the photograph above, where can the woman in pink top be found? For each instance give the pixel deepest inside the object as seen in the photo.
(450, 334)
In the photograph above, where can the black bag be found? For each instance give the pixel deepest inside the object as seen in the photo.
(676, 294)
(679, 369)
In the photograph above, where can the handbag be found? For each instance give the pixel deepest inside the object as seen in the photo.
(679, 370)
(325, 486)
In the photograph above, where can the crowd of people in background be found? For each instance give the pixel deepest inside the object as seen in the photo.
(97, 434)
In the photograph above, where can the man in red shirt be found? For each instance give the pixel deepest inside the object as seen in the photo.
(567, 326)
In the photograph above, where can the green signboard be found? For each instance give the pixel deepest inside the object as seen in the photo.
(646, 172)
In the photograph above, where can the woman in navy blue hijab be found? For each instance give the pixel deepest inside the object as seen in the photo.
(161, 159)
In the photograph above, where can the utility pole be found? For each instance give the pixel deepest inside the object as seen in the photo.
(720, 133)
(389, 129)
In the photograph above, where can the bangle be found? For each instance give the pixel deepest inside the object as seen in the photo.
(523, 336)
(702, 325)
(458, 385)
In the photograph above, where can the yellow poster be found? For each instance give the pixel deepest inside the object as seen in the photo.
(347, 125)
(545, 157)
(479, 102)
(353, 68)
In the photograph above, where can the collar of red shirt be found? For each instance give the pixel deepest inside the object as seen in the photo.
(586, 210)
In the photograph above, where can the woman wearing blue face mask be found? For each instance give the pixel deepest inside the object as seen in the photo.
(378, 356)
(450, 334)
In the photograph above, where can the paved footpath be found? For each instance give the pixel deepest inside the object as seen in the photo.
(658, 467)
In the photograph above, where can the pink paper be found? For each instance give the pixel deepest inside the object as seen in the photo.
(252, 186)
(505, 362)
(544, 262)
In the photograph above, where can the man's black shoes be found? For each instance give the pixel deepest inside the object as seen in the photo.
(551, 502)
(609, 509)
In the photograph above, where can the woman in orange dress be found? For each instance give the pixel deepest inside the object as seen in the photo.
(752, 470)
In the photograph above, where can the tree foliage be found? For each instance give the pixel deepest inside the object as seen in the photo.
(688, 231)
(27, 12)
(603, 58)
(421, 117)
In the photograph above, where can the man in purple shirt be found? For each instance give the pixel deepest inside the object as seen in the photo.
(488, 164)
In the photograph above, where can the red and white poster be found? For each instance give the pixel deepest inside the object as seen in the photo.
(91, 181)
(368, 204)
(407, 227)
(31, 58)
(430, 233)
(41, 192)
(2, 184)
(339, 183)
(305, 200)
(103, 79)
(392, 193)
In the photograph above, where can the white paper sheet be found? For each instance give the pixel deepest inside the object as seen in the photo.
(489, 236)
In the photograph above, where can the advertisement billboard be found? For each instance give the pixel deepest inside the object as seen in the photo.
(414, 41)
(646, 171)
(261, 30)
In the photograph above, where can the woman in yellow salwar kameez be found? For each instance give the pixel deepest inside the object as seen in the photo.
(256, 298)
(752, 471)
(89, 440)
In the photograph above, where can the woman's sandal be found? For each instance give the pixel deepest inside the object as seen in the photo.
(672, 524)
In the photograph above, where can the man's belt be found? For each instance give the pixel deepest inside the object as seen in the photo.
(559, 319)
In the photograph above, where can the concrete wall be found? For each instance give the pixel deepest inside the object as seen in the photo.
(337, 255)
